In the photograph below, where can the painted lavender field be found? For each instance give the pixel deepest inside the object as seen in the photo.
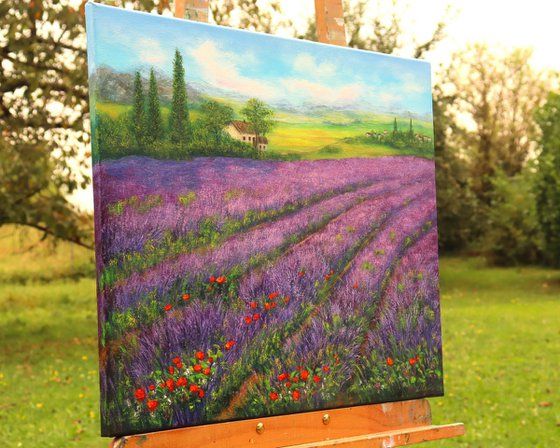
(276, 287)
(265, 224)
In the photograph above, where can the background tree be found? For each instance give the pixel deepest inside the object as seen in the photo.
(259, 116)
(44, 114)
(138, 114)
(547, 188)
(179, 115)
(154, 121)
(215, 118)
(495, 96)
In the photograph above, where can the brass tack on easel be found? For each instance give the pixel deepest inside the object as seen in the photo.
(326, 419)
(260, 428)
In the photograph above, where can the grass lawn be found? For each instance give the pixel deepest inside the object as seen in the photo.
(501, 344)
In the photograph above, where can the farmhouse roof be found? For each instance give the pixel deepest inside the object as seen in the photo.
(243, 128)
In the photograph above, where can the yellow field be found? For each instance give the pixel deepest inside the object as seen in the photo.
(308, 135)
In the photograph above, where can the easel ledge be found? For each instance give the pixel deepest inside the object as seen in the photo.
(380, 425)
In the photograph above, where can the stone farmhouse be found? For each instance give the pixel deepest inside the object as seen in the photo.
(239, 130)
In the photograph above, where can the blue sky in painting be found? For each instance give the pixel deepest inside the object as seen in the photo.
(273, 69)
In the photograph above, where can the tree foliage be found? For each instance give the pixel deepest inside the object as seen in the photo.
(260, 118)
(215, 117)
(138, 121)
(547, 187)
(489, 100)
(44, 128)
(179, 116)
(154, 121)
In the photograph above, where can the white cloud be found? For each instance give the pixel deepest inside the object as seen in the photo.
(151, 51)
(307, 64)
(410, 84)
(323, 93)
(222, 69)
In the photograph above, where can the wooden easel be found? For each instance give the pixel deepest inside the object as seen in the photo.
(383, 425)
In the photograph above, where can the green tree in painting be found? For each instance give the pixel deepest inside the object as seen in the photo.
(138, 116)
(260, 118)
(215, 117)
(154, 122)
(548, 178)
(179, 125)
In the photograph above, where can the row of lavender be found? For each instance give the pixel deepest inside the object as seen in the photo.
(163, 209)
(236, 256)
(224, 331)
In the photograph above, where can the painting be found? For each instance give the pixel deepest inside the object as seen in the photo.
(265, 223)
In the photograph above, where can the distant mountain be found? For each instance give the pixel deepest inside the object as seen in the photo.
(116, 87)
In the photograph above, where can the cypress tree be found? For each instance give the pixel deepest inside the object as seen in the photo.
(138, 114)
(154, 122)
(179, 115)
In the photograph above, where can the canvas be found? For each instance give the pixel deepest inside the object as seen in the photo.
(265, 224)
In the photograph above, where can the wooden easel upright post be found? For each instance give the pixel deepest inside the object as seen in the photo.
(372, 426)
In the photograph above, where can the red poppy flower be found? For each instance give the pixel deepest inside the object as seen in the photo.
(186, 297)
(168, 307)
(176, 360)
(332, 272)
(273, 396)
(286, 299)
(197, 368)
(301, 273)
(326, 368)
(288, 384)
(327, 277)
(229, 345)
(200, 356)
(256, 316)
(253, 305)
(170, 384)
(412, 361)
(296, 395)
(316, 378)
(283, 377)
(221, 280)
(140, 394)
(171, 370)
(194, 388)
(389, 361)
(273, 304)
(212, 279)
(211, 360)
(337, 361)
(298, 368)
(206, 371)
(418, 358)
(181, 382)
(272, 295)
(152, 405)
(267, 306)
(201, 393)
(152, 387)
(304, 375)
(355, 286)
(209, 288)
(179, 365)
(248, 319)
(296, 379)
(162, 384)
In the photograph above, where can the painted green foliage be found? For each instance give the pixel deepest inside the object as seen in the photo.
(179, 124)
